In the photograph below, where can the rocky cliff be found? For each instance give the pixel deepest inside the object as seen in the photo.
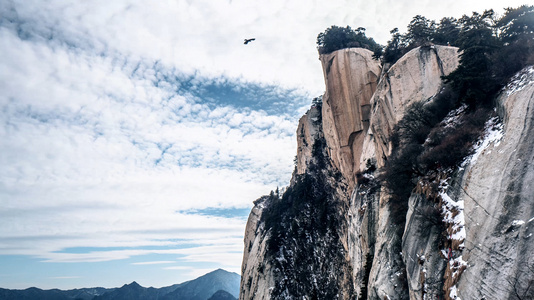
(497, 189)
(351, 77)
(414, 77)
(334, 233)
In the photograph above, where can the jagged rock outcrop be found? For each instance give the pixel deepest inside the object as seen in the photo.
(257, 278)
(296, 242)
(341, 237)
(306, 132)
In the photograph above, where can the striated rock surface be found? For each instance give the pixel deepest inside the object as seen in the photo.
(415, 77)
(498, 191)
(362, 217)
(387, 276)
(421, 247)
(351, 76)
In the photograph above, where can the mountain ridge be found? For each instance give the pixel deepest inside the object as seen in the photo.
(200, 288)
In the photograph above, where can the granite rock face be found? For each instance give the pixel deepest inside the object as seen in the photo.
(414, 77)
(306, 133)
(498, 191)
(351, 76)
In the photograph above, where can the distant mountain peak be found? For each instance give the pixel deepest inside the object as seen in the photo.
(133, 284)
(222, 271)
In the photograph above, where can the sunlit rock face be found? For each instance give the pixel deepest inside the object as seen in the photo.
(414, 77)
(365, 254)
(351, 76)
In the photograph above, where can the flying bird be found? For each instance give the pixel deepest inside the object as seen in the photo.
(249, 40)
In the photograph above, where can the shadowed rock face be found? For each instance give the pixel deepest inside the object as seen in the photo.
(360, 108)
(306, 132)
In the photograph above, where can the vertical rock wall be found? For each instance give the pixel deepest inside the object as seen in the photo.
(498, 191)
(422, 245)
(306, 133)
(415, 77)
(257, 276)
(351, 77)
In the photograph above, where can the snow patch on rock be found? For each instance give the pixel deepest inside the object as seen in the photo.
(453, 214)
(520, 81)
(454, 218)
(518, 223)
(453, 293)
(493, 134)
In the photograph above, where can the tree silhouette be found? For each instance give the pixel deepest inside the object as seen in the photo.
(335, 38)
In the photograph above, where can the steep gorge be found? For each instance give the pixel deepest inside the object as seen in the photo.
(332, 234)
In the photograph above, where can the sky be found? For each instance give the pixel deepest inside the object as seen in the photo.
(134, 135)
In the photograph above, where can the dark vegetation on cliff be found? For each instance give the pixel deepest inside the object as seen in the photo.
(304, 228)
(421, 144)
(493, 48)
(335, 38)
(481, 35)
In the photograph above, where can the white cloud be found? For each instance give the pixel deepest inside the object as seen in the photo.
(184, 268)
(206, 36)
(160, 262)
(97, 157)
